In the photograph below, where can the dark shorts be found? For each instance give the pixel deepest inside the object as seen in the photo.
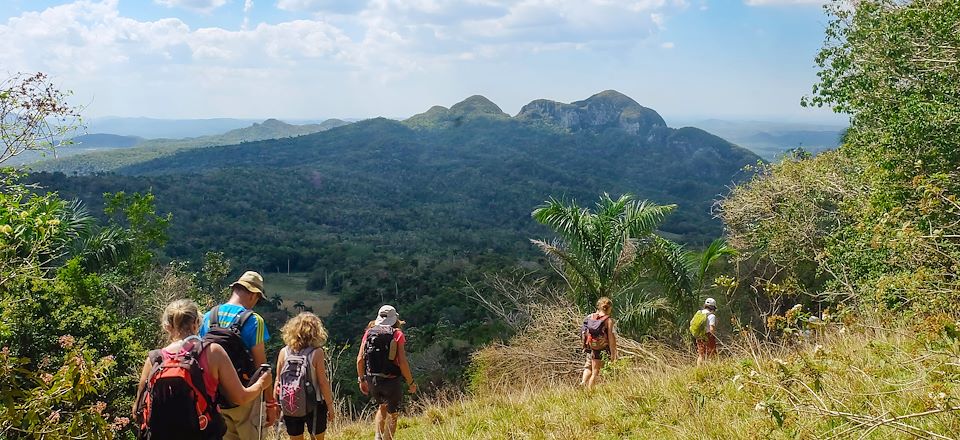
(387, 391)
(315, 422)
(597, 354)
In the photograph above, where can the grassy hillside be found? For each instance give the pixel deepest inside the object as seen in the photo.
(856, 382)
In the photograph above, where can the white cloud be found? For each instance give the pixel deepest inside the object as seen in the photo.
(667, 45)
(334, 6)
(193, 5)
(783, 2)
(92, 44)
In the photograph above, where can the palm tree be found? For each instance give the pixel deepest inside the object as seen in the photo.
(300, 306)
(614, 251)
(276, 300)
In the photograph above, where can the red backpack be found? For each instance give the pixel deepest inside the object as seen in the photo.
(594, 332)
(175, 404)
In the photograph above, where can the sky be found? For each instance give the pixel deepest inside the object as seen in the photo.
(314, 59)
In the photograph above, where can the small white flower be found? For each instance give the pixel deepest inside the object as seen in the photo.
(761, 406)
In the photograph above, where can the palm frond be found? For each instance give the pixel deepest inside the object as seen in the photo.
(717, 249)
(583, 278)
(638, 310)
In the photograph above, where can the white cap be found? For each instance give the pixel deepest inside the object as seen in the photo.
(710, 302)
(387, 316)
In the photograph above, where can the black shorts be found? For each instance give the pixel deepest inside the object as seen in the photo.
(597, 354)
(387, 391)
(315, 422)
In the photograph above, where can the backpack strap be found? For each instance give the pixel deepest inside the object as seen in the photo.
(215, 316)
(241, 320)
(196, 374)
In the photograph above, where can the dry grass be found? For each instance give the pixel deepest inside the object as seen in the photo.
(852, 382)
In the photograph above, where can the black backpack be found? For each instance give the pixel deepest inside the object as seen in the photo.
(229, 338)
(175, 404)
(380, 352)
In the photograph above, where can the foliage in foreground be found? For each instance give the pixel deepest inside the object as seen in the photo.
(850, 382)
(876, 224)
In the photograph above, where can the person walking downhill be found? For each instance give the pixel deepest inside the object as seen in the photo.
(381, 363)
(598, 339)
(179, 383)
(242, 333)
(703, 327)
(303, 388)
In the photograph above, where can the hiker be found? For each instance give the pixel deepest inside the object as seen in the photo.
(179, 383)
(303, 388)
(381, 363)
(598, 338)
(703, 327)
(242, 333)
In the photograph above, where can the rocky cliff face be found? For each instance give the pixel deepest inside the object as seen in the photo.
(608, 109)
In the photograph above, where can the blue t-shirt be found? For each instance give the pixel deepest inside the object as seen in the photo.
(254, 331)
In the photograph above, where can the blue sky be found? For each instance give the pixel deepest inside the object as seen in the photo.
(308, 59)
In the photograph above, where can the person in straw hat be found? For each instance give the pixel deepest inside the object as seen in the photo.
(381, 365)
(243, 333)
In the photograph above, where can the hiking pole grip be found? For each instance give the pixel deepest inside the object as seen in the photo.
(263, 368)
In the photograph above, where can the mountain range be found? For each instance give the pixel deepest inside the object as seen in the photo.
(383, 210)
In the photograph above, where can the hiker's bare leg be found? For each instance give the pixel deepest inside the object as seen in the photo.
(380, 419)
(586, 375)
(388, 422)
(595, 366)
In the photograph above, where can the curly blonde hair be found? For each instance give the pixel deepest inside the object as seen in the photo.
(304, 330)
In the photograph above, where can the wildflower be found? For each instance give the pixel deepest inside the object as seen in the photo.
(6, 229)
(67, 341)
(120, 423)
(53, 222)
(99, 407)
(760, 406)
(46, 378)
(54, 417)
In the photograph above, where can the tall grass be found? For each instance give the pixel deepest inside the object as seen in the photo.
(861, 381)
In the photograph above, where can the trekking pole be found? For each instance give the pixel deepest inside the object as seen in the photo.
(264, 368)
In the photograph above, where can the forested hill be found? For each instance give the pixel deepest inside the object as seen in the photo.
(145, 150)
(405, 210)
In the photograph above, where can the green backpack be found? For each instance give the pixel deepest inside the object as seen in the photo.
(698, 325)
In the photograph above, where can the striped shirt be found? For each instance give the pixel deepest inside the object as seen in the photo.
(254, 331)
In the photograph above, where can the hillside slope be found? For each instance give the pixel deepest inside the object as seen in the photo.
(874, 385)
(106, 161)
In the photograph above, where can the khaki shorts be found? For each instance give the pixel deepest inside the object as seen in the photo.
(243, 421)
